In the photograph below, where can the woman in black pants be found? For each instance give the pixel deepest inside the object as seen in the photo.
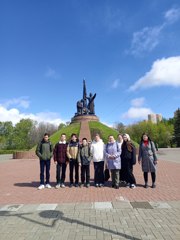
(128, 159)
(148, 159)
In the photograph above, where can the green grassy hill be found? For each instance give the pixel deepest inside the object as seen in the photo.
(72, 128)
(103, 130)
(95, 127)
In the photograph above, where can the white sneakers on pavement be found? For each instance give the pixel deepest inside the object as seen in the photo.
(41, 187)
(48, 186)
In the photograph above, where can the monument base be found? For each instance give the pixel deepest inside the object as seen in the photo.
(84, 118)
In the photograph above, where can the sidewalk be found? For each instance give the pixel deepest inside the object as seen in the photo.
(83, 221)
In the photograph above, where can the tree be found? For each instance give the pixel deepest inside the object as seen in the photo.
(6, 133)
(160, 133)
(120, 127)
(38, 130)
(61, 125)
(21, 134)
(177, 128)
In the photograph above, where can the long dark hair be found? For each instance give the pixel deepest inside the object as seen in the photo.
(145, 133)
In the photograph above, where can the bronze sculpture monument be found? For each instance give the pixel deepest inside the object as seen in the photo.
(84, 108)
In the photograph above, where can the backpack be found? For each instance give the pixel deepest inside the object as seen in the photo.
(50, 147)
(116, 146)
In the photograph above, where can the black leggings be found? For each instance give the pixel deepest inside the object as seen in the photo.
(153, 176)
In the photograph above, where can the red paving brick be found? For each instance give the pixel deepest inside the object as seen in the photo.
(19, 180)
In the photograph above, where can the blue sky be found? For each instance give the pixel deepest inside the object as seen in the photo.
(127, 51)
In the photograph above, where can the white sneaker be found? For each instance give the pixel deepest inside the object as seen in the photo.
(48, 186)
(132, 186)
(62, 185)
(58, 186)
(41, 187)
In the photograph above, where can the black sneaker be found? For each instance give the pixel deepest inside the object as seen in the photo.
(146, 185)
(153, 185)
(76, 185)
(71, 185)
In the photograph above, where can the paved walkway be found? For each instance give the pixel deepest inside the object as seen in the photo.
(84, 131)
(81, 213)
(19, 180)
(83, 221)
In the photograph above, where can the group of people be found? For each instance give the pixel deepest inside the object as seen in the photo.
(118, 156)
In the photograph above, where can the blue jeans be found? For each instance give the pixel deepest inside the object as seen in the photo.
(44, 164)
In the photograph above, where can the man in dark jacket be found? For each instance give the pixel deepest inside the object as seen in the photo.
(44, 151)
(60, 159)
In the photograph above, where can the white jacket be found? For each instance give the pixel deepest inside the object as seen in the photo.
(97, 151)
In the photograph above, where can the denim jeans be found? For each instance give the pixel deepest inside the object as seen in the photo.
(45, 164)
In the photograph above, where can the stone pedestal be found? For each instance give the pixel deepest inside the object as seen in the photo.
(84, 118)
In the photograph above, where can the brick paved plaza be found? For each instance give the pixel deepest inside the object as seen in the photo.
(81, 213)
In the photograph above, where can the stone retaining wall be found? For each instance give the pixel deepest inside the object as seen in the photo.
(24, 155)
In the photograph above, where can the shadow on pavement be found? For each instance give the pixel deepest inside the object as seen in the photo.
(28, 184)
(58, 215)
(31, 184)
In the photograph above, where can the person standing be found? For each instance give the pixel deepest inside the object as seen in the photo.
(122, 170)
(72, 154)
(128, 159)
(84, 159)
(44, 151)
(97, 154)
(148, 159)
(61, 160)
(113, 153)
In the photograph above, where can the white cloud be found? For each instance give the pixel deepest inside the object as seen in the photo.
(14, 115)
(51, 73)
(145, 40)
(112, 19)
(164, 72)
(107, 124)
(148, 38)
(172, 15)
(137, 113)
(18, 102)
(115, 83)
(138, 102)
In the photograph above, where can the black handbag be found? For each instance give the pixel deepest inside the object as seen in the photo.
(106, 175)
